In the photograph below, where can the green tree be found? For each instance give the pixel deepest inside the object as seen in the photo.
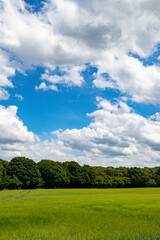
(3, 166)
(89, 176)
(75, 173)
(138, 176)
(157, 176)
(12, 182)
(151, 183)
(27, 172)
(119, 182)
(53, 174)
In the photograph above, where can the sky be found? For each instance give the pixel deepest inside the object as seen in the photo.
(80, 81)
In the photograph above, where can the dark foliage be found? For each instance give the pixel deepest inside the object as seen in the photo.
(54, 174)
(75, 173)
(3, 167)
(24, 173)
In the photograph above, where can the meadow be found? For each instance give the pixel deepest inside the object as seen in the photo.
(80, 214)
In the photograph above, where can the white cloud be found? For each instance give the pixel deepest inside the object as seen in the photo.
(12, 129)
(70, 76)
(4, 95)
(130, 76)
(6, 70)
(16, 140)
(155, 116)
(20, 97)
(116, 136)
(45, 87)
(116, 133)
(70, 32)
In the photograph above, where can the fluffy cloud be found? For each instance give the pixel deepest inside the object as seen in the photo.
(116, 136)
(128, 74)
(116, 133)
(70, 76)
(6, 70)
(16, 140)
(155, 116)
(69, 32)
(12, 129)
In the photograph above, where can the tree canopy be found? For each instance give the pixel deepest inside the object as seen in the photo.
(53, 173)
(24, 173)
(26, 170)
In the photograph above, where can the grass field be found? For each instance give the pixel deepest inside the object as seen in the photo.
(80, 214)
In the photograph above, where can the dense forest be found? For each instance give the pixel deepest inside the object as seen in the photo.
(24, 173)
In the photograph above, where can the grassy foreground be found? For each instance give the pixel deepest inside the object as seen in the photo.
(80, 214)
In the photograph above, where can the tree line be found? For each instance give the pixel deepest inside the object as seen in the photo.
(24, 173)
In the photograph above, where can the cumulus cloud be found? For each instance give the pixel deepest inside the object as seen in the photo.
(116, 136)
(128, 74)
(69, 32)
(53, 150)
(115, 133)
(17, 140)
(66, 76)
(6, 70)
(12, 128)
(155, 116)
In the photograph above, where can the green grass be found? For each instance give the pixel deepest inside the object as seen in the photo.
(80, 214)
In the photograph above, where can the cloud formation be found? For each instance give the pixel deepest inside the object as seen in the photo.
(6, 71)
(12, 128)
(116, 136)
(66, 76)
(66, 33)
(115, 133)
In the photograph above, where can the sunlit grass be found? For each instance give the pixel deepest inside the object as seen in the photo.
(80, 214)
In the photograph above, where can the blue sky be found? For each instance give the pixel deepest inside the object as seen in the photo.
(67, 108)
(80, 81)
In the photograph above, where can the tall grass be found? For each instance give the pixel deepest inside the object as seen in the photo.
(80, 214)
